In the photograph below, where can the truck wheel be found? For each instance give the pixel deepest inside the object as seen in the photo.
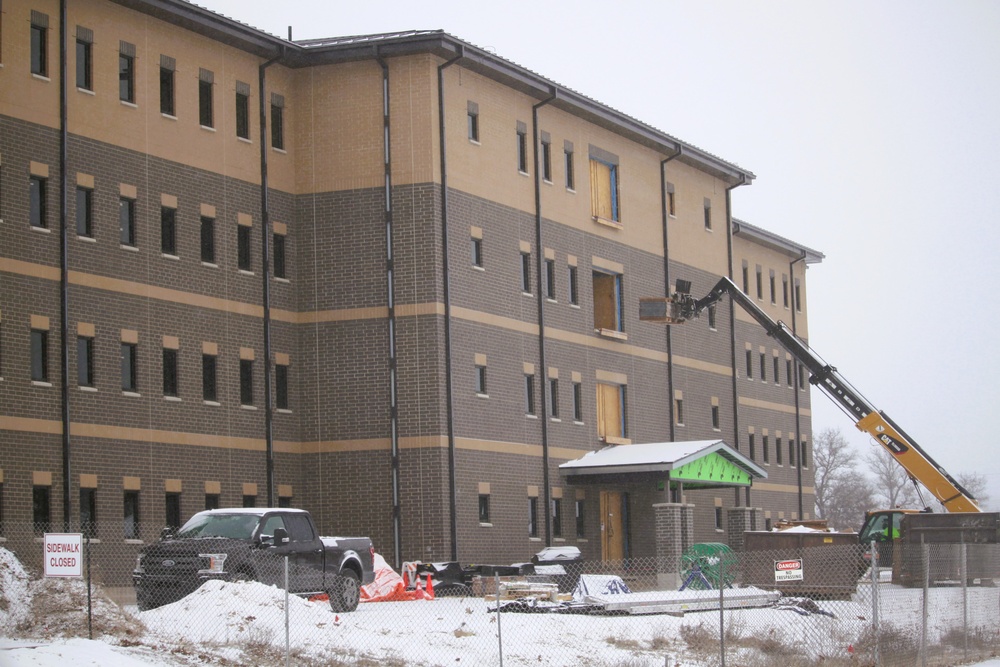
(346, 592)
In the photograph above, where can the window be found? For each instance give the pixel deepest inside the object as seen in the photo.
(249, 501)
(746, 278)
(170, 382)
(568, 163)
(574, 289)
(126, 221)
(277, 121)
(760, 283)
(522, 147)
(671, 200)
(281, 386)
(767, 449)
(285, 501)
(473, 121)
(788, 372)
(580, 523)
(774, 292)
(577, 402)
(533, 517)
(173, 510)
(802, 377)
(242, 110)
(481, 380)
(784, 290)
(279, 256)
(791, 452)
(526, 272)
(85, 212)
(749, 365)
(556, 517)
(484, 508)
(753, 447)
(209, 390)
(763, 367)
(39, 43)
(550, 279)
(130, 375)
(715, 417)
(679, 411)
(246, 381)
(803, 451)
(798, 296)
(39, 355)
(608, 307)
(777, 451)
(38, 214)
(205, 111)
(777, 369)
(554, 398)
(168, 230)
(84, 58)
(41, 510)
(604, 190)
(718, 518)
(131, 515)
(207, 240)
(88, 512)
(611, 421)
(477, 252)
(547, 161)
(85, 361)
(212, 501)
(529, 394)
(243, 247)
(167, 102)
(708, 214)
(126, 72)
(712, 312)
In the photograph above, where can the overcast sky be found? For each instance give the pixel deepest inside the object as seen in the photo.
(874, 132)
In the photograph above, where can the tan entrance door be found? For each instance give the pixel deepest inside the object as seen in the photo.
(612, 526)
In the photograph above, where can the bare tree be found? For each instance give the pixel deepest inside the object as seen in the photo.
(851, 497)
(976, 484)
(843, 494)
(893, 487)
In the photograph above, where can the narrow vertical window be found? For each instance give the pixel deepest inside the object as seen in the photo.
(243, 247)
(708, 214)
(484, 508)
(167, 102)
(278, 248)
(126, 72)
(473, 121)
(85, 361)
(568, 164)
(746, 278)
(554, 398)
(546, 160)
(577, 402)
(84, 58)
(749, 365)
(529, 394)
(168, 230)
(277, 121)
(556, 517)
(712, 314)
(671, 200)
(131, 515)
(784, 290)
(207, 240)
(281, 386)
(243, 110)
(753, 447)
(172, 510)
(767, 449)
(760, 283)
(85, 212)
(791, 452)
(550, 279)
(679, 411)
(715, 417)
(802, 377)
(581, 524)
(533, 516)
(798, 296)
(477, 252)
(777, 451)
(574, 288)
(788, 372)
(803, 451)
(212, 501)
(41, 509)
(777, 369)
(526, 272)
(246, 381)
(209, 391)
(170, 382)
(39, 43)
(39, 355)
(206, 115)
(130, 372)
(88, 512)
(774, 291)
(522, 147)
(38, 211)
(126, 221)
(763, 367)
(718, 518)
(481, 380)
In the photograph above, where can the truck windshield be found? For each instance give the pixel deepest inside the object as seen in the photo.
(235, 526)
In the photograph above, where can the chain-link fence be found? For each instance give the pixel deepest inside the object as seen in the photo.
(927, 605)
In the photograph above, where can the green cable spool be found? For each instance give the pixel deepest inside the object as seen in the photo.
(707, 566)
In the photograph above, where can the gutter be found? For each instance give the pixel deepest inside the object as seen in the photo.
(449, 388)
(732, 324)
(665, 214)
(64, 267)
(798, 412)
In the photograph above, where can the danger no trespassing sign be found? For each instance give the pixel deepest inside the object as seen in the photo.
(788, 570)
(63, 554)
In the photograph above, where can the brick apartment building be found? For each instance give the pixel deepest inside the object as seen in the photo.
(391, 279)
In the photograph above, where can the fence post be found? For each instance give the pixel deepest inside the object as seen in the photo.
(964, 569)
(722, 612)
(925, 554)
(499, 632)
(90, 601)
(287, 612)
(876, 578)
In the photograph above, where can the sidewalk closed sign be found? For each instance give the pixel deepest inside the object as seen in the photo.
(788, 570)
(63, 554)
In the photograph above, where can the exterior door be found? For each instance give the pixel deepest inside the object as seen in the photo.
(612, 526)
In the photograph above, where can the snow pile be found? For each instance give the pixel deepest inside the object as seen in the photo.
(15, 600)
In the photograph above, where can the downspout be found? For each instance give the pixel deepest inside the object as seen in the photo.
(391, 297)
(266, 250)
(732, 326)
(449, 390)
(798, 421)
(665, 214)
(541, 320)
(64, 266)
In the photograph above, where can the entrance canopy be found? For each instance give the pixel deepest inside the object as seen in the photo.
(697, 463)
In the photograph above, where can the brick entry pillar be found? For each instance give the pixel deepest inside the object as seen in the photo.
(674, 534)
(740, 520)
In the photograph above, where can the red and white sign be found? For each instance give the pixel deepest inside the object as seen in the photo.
(63, 554)
(788, 570)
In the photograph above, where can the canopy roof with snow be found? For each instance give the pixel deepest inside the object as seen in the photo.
(700, 462)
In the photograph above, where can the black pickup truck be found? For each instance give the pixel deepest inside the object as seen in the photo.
(250, 544)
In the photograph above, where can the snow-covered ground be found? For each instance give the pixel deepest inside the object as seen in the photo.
(244, 624)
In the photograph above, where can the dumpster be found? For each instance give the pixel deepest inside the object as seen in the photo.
(813, 564)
